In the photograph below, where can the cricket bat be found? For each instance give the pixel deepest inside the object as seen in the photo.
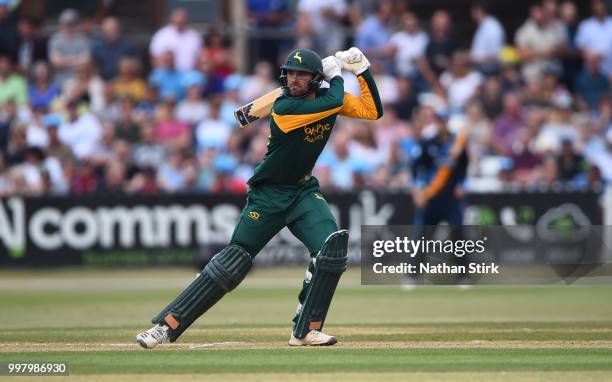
(254, 111)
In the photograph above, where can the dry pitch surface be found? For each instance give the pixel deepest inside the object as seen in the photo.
(89, 318)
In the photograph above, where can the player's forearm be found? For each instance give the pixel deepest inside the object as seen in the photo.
(373, 92)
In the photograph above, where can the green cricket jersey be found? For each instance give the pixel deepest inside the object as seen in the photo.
(300, 128)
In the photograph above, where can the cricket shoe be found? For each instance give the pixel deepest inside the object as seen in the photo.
(313, 338)
(150, 338)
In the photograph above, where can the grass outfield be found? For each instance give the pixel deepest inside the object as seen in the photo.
(89, 318)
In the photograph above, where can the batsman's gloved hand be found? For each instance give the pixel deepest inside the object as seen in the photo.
(353, 60)
(331, 67)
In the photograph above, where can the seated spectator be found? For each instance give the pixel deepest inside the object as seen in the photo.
(81, 132)
(85, 180)
(148, 153)
(217, 52)
(193, 108)
(68, 48)
(527, 165)
(508, 124)
(259, 83)
(42, 91)
(213, 132)
(408, 46)
(594, 36)
(169, 131)
(591, 85)
(8, 30)
(128, 82)
(127, 127)
(489, 37)
(570, 163)
(32, 45)
(226, 183)
(184, 43)
(115, 178)
(110, 47)
(319, 24)
(171, 176)
(167, 79)
(87, 86)
(55, 147)
(461, 82)
(559, 126)
(13, 86)
(491, 97)
(540, 41)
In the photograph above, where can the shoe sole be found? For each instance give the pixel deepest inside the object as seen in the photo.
(331, 342)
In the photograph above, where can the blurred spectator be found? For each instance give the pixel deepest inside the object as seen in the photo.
(169, 131)
(110, 47)
(489, 37)
(218, 53)
(540, 41)
(385, 82)
(128, 82)
(373, 35)
(32, 45)
(8, 30)
(461, 82)
(440, 48)
(559, 125)
(86, 86)
(81, 132)
(185, 43)
(18, 145)
(225, 182)
(259, 83)
(213, 132)
(13, 86)
(127, 127)
(55, 147)
(167, 78)
(491, 96)
(114, 178)
(267, 14)
(171, 176)
(594, 36)
(527, 165)
(343, 166)
(591, 85)
(570, 163)
(406, 100)
(571, 60)
(7, 187)
(68, 48)
(319, 25)
(508, 124)
(148, 153)
(231, 99)
(193, 108)
(84, 181)
(42, 91)
(408, 46)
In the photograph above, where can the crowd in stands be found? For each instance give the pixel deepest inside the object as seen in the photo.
(84, 110)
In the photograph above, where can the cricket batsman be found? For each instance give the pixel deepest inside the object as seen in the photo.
(283, 193)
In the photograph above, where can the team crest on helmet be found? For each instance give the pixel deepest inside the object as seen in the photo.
(297, 56)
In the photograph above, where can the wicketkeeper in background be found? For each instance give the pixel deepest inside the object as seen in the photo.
(282, 193)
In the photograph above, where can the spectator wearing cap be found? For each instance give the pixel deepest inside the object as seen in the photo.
(55, 147)
(408, 46)
(68, 48)
(185, 43)
(32, 45)
(128, 83)
(167, 78)
(81, 132)
(594, 36)
(42, 92)
(591, 85)
(193, 108)
(110, 47)
(489, 37)
(540, 41)
(13, 86)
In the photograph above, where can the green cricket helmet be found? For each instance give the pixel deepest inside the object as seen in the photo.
(304, 60)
